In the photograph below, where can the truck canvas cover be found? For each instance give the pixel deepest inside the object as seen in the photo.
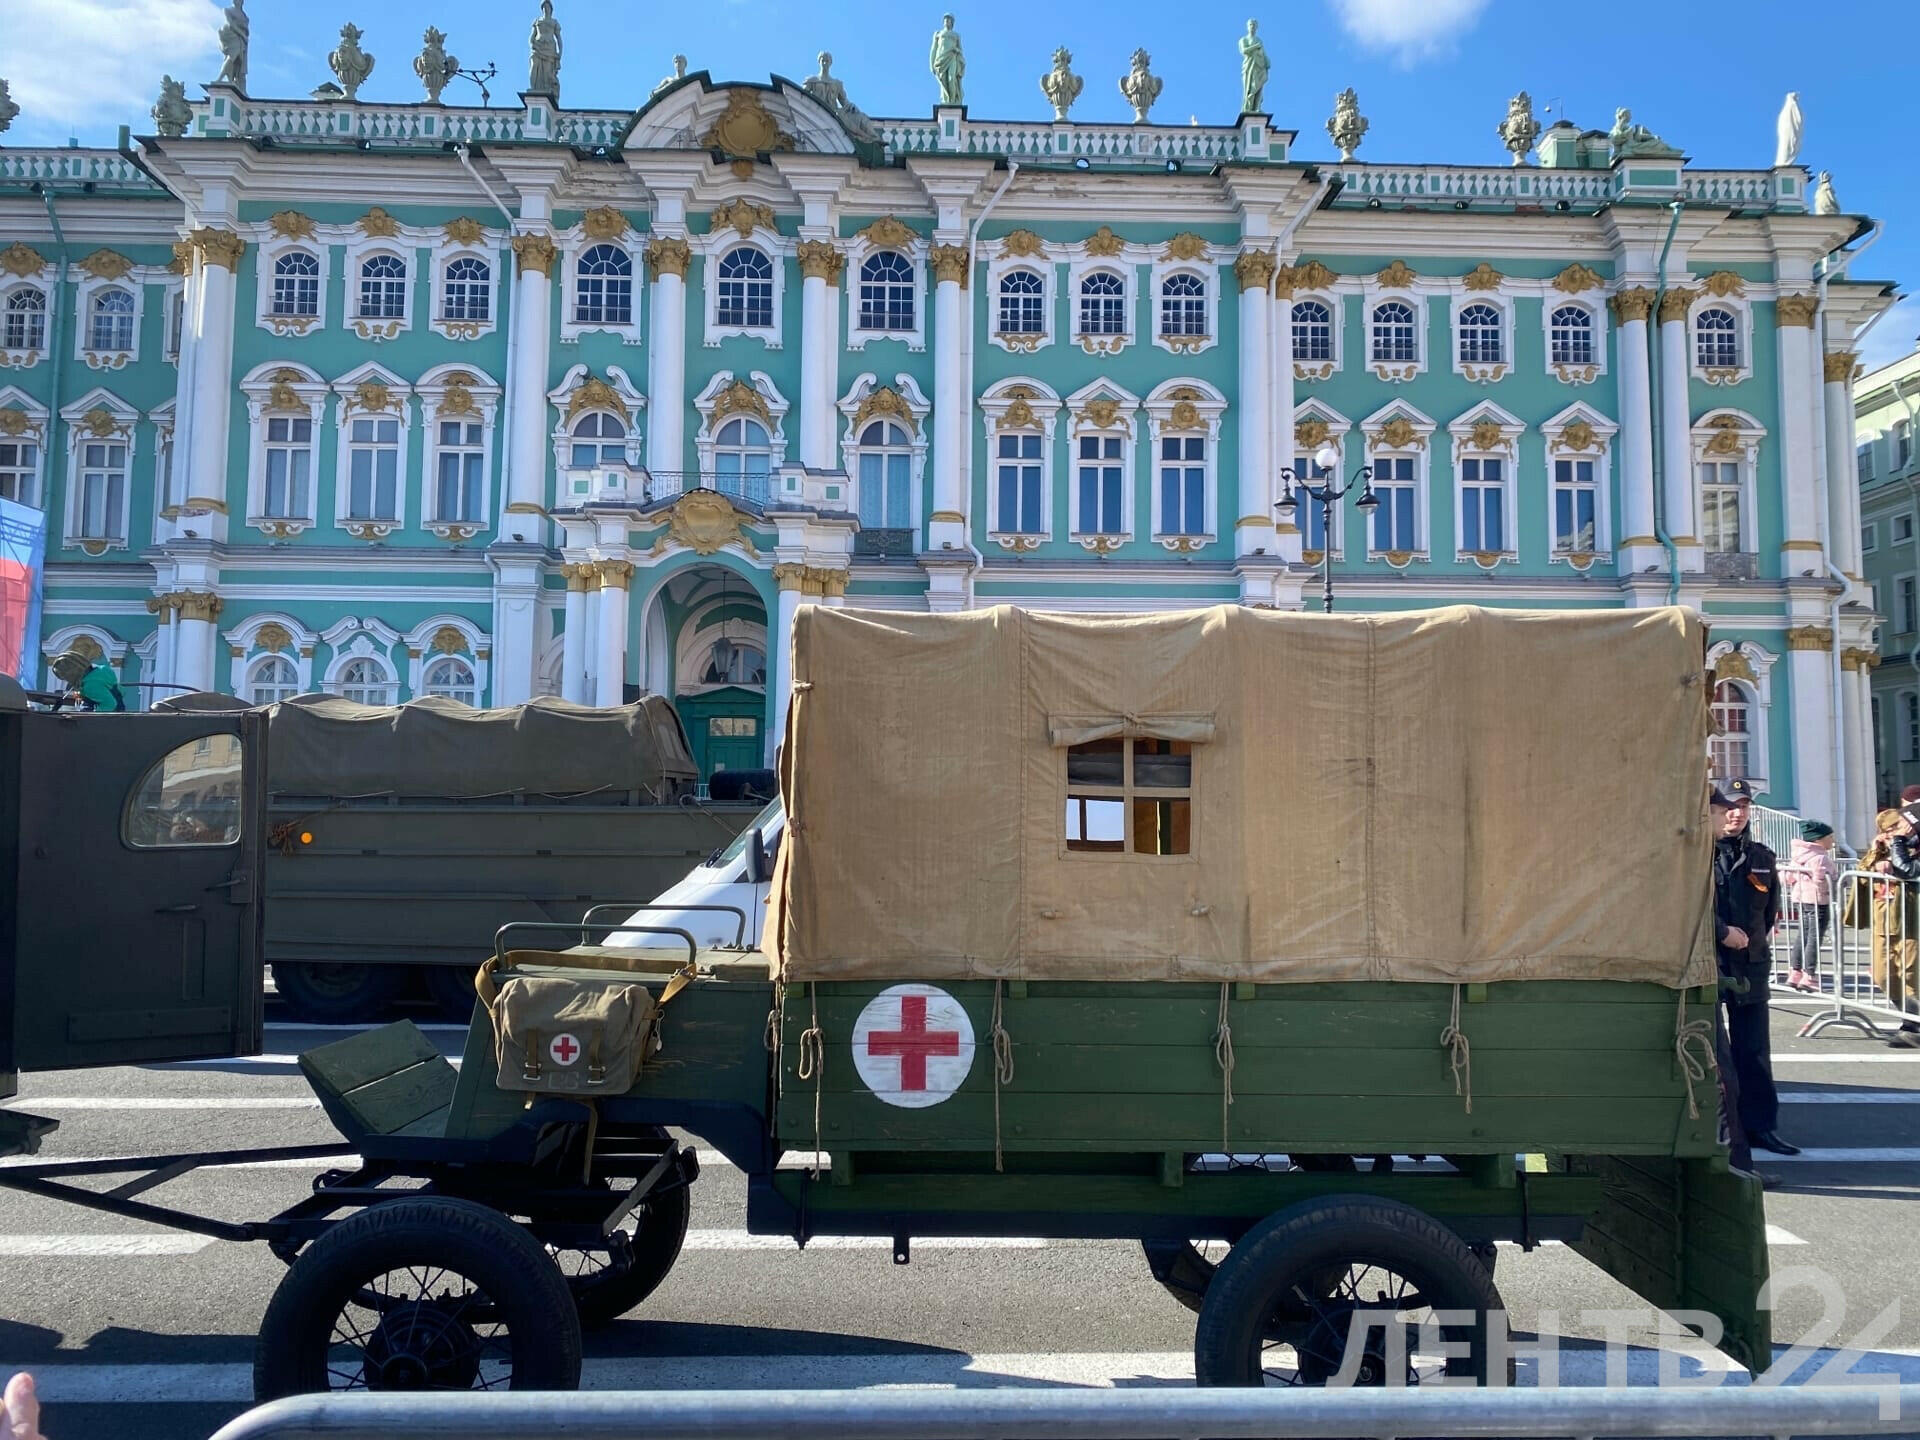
(441, 749)
(1453, 795)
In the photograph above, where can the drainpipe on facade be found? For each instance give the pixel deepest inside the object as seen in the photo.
(1822, 483)
(1653, 385)
(54, 347)
(966, 359)
(513, 329)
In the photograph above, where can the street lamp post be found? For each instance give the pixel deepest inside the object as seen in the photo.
(1329, 491)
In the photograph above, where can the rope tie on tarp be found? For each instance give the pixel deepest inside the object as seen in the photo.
(1460, 1053)
(1693, 1048)
(772, 1038)
(1002, 1064)
(1223, 1057)
(813, 1066)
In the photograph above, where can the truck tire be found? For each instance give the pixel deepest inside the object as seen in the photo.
(1282, 1305)
(602, 1291)
(427, 1294)
(450, 989)
(335, 994)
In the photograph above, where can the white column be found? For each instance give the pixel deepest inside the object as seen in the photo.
(1253, 521)
(575, 640)
(526, 487)
(667, 260)
(1639, 546)
(610, 685)
(1856, 742)
(1287, 533)
(1676, 431)
(516, 606)
(820, 266)
(1809, 665)
(161, 607)
(950, 403)
(1800, 496)
(1843, 482)
(217, 254)
(791, 579)
(194, 641)
(590, 634)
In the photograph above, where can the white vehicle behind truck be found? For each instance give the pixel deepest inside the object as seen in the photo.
(736, 876)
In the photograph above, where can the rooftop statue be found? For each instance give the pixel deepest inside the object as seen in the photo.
(8, 109)
(1787, 131)
(833, 95)
(948, 63)
(1348, 126)
(171, 113)
(1825, 202)
(679, 74)
(1141, 86)
(433, 65)
(350, 64)
(234, 30)
(1060, 85)
(1519, 130)
(543, 54)
(1253, 69)
(1629, 140)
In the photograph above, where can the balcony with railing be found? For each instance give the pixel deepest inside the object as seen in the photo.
(1040, 141)
(102, 169)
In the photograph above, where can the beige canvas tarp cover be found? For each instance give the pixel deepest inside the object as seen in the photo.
(439, 748)
(1450, 795)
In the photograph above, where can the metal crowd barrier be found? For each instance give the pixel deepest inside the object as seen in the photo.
(1137, 1414)
(1865, 953)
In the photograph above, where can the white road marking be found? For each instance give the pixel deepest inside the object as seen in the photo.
(166, 1102)
(742, 1240)
(1858, 1097)
(278, 1061)
(428, 1025)
(1908, 1155)
(94, 1245)
(1897, 1057)
(314, 1166)
(1778, 1236)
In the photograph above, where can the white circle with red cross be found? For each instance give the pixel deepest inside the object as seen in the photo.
(565, 1049)
(913, 1045)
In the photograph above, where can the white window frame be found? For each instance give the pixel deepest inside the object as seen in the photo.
(1863, 460)
(706, 439)
(1565, 372)
(126, 431)
(1125, 426)
(112, 649)
(309, 395)
(26, 358)
(573, 488)
(997, 404)
(403, 247)
(1906, 603)
(1477, 371)
(423, 648)
(571, 326)
(852, 426)
(1320, 369)
(1899, 439)
(1161, 405)
(244, 650)
(1046, 265)
(433, 390)
(86, 290)
(1125, 261)
(1879, 612)
(1600, 451)
(1869, 536)
(1396, 371)
(1208, 274)
(346, 410)
(1337, 429)
(1743, 337)
(353, 638)
(266, 259)
(1759, 703)
(1750, 433)
(1507, 452)
(496, 261)
(35, 433)
(163, 485)
(712, 248)
(250, 682)
(1419, 449)
(173, 318)
(1895, 523)
(860, 248)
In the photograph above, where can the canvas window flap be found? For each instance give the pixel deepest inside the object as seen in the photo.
(1066, 731)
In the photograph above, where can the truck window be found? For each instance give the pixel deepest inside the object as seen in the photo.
(769, 822)
(189, 797)
(1130, 797)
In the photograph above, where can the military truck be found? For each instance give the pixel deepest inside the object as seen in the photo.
(402, 837)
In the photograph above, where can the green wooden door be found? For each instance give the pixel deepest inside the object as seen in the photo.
(724, 728)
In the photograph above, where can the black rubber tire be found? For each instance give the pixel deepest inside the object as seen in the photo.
(654, 1242)
(335, 994)
(449, 989)
(1319, 1236)
(500, 1258)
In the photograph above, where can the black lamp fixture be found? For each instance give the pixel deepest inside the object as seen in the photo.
(1325, 486)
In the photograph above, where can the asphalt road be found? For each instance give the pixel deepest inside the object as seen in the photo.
(134, 1331)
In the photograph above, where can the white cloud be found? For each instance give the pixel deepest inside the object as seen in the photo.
(84, 63)
(1894, 336)
(1409, 30)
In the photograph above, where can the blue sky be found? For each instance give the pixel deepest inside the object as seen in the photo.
(1433, 75)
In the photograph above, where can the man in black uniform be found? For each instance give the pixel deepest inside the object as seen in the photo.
(1746, 902)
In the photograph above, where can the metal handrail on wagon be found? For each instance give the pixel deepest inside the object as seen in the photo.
(580, 929)
(626, 908)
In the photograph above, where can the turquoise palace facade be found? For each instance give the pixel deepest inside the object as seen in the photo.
(397, 399)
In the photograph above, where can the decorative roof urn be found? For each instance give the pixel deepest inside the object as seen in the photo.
(1060, 85)
(1141, 86)
(1348, 126)
(1519, 130)
(350, 64)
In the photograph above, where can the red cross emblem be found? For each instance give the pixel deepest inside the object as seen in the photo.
(564, 1049)
(913, 1042)
(913, 1045)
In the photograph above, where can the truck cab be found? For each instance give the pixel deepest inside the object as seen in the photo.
(737, 875)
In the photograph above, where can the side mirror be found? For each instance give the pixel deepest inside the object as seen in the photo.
(756, 858)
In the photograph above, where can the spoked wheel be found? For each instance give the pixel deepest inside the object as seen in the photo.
(428, 1294)
(1345, 1290)
(607, 1283)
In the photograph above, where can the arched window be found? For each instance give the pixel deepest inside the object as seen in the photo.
(885, 477)
(365, 681)
(468, 283)
(742, 460)
(1570, 336)
(1394, 340)
(383, 288)
(110, 321)
(1480, 338)
(746, 289)
(1023, 303)
(1312, 331)
(26, 320)
(1730, 751)
(599, 440)
(272, 680)
(1717, 338)
(296, 285)
(1103, 304)
(1183, 306)
(731, 663)
(19, 469)
(603, 287)
(451, 678)
(886, 292)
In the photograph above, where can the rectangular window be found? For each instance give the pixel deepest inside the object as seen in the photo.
(1312, 512)
(103, 489)
(1869, 538)
(1910, 726)
(1483, 506)
(1130, 797)
(1863, 460)
(289, 466)
(19, 471)
(1879, 610)
(1098, 481)
(26, 321)
(1720, 506)
(886, 490)
(1576, 507)
(1908, 600)
(461, 472)
(733, 727)
(1902, 529)
(1393, 521)
(1017, 510)
(176, 323)
(373, 468)
(1902, 443)
(1183, 485)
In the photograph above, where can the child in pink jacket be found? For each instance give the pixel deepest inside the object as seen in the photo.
(1812, 873)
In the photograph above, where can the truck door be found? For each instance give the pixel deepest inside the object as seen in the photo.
(136, 849)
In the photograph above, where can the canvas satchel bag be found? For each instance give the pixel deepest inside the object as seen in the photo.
(571, 1035)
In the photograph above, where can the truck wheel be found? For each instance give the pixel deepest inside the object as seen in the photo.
(335, 994)
(1290, 1302)
(431, 1294)
(450, 988)
(606, 1285)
